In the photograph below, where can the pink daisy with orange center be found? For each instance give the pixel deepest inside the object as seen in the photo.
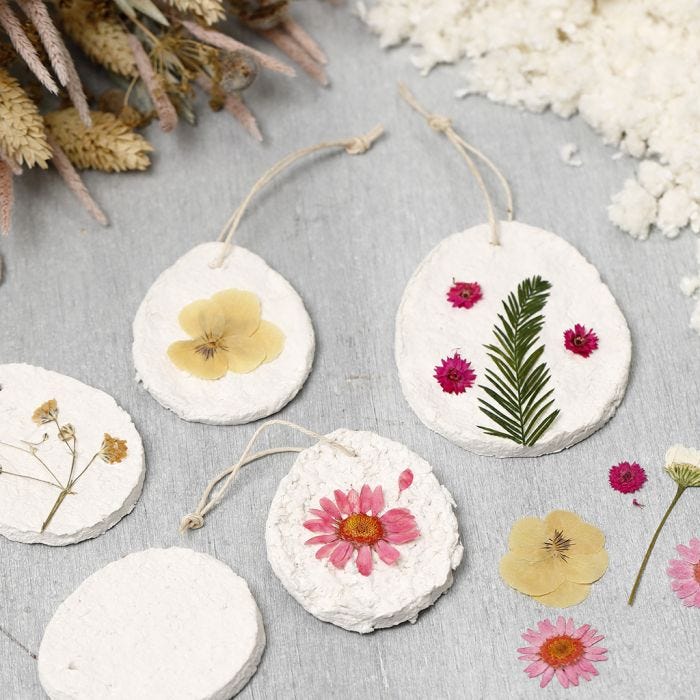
(563, 651)
(353, 525)
(580, 341)
(463, 295)
(685, 573)
(455, 375)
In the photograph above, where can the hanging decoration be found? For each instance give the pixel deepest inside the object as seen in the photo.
(157, 624)
(360, 532)
(71, 462)
(507, 341)
(221, 337)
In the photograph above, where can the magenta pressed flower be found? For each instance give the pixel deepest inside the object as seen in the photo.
(455, 375)
(685, 573)
(627, 478)
(580, 341)
(463, 295)
(353, 525)
(563, 651)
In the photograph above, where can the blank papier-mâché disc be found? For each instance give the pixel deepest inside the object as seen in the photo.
(222, 343)
(517, 349)
(71, 461)
(162, 624)
(363, 542)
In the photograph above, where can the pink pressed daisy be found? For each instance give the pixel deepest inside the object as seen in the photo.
(563, 651)
(352, 524)
(627, 478)
(580, 341)
(455, 375)
(463, 295)
(685, 573)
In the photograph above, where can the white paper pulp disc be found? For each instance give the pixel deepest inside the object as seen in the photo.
(162, 624)
(105, 493)
(391, 593)
(235, 398)
(586, 390)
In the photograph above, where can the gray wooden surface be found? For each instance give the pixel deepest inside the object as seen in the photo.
(348, 232)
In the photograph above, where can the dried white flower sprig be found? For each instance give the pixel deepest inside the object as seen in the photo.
(112, 451)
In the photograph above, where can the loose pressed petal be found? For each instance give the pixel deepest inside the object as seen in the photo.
(405, 479)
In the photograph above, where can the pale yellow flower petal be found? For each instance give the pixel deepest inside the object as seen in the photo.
(527, 539)
(202, 316)
(242, 310)
(586, 568)
(585, 538)
(532, 578)
(566, 595)
(183, 354)
(270, 338)
(244, 354)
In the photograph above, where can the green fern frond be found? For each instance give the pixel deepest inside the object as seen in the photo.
(519, 402)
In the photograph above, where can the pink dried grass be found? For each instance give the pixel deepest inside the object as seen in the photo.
(75, 183)
(227, 43)
(307, 42)
(6, 197)
(235, 106)
(24, 47)
(286, 43)
(167, 114)
(58, 54)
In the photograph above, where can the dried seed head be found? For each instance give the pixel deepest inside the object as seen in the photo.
(238, 70)
(265, 16)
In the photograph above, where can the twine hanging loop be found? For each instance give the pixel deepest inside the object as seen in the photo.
(354, 146)
(443, 124)
(195, 520)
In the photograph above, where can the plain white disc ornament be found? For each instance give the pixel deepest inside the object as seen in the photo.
(365, 541)
(265, 332)
(162, 624)
(464, 359)
(71, 460)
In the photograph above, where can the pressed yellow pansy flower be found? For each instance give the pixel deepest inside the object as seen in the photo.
(227, 334)
(554, 560)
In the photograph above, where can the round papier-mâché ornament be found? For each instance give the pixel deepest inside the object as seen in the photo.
(71, 461)
(221, 337)
(364, 541)
(516, 349)
(162, 624)
(222, 344)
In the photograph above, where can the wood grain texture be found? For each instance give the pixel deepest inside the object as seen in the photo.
(348, 232)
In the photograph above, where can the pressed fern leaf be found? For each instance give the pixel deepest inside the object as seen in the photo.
(519, 402)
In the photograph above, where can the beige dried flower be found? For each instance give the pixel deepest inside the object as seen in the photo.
(22, 136)
(47, 412)
(66, 432)
(113, 449)
(95, 27)
(109, 145)
(210, 11)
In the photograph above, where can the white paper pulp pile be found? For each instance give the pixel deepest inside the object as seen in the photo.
(631, 68)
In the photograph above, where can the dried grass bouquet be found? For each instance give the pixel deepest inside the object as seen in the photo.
(158, 52)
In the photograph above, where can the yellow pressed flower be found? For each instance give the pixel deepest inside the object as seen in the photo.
(113, 449)
(554, 560)
(47, 412)
(227, 334)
